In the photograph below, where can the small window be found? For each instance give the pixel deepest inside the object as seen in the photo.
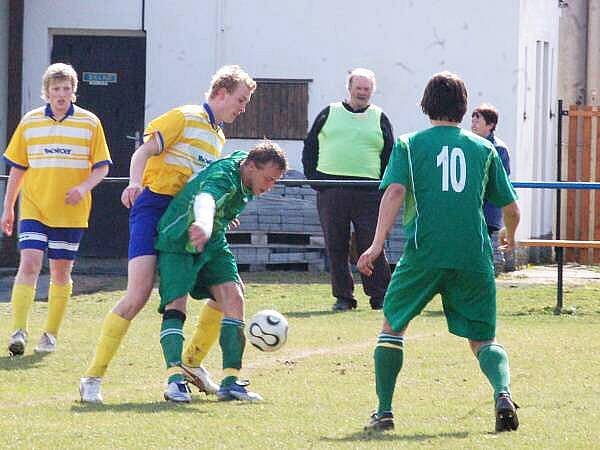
(278, 110)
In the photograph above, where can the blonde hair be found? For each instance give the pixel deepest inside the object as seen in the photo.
(229, 77)
(361, 72)
(60, 72)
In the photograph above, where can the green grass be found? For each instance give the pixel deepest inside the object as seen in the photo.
(319, 388)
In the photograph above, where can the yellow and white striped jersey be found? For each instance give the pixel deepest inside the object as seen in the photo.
(189, 141)
(56, 156)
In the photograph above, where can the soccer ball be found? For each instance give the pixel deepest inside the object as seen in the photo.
(267, 330)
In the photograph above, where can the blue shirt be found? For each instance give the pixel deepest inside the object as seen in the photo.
(493, 215)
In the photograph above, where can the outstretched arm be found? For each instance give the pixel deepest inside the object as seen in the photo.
(391, 202)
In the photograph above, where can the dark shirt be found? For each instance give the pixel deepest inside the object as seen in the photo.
(310, 153)
(493, 215)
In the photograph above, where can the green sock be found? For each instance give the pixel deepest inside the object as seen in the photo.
(171, 341)
(232, 342)
(493, 361)
(388, 362)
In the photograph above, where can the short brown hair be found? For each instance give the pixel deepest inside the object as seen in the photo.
(445, 97)
(229, 77)
(489, 114)
(265, 152)
(60, 72)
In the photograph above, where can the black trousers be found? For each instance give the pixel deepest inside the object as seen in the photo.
(339, 207)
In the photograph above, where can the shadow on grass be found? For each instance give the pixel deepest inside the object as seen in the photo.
(391, 437)
(156, 406)
(21, 362)
(328, 312)
(139, 407)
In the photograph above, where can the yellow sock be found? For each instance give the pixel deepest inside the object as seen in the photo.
(21, 300)
(206, 334)
(113, 330)
(58, 297)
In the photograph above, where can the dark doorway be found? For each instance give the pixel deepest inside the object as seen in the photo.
(112, 78)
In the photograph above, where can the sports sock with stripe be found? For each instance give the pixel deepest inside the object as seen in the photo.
(171, 341)
(388, 357)
(232, 343)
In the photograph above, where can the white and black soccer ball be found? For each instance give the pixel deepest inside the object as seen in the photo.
(267, 330)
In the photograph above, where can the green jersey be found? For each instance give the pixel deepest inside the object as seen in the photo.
(447, 173)
(222, 180)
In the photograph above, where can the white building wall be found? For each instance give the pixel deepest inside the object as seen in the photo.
(403, 41)
(535, 159)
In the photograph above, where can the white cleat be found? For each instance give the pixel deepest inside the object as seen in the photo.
(47, 344)
(200, 378)
(178, 392)
(17, 342)
(89, 389)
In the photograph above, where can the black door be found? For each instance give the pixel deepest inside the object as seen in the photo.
(112, 75)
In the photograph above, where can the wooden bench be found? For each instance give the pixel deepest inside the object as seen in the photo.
(559, 244)
(562, 243)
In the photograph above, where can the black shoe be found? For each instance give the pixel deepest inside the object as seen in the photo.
(380, 423)
(344, 304)
(376, 303)
(506, 414)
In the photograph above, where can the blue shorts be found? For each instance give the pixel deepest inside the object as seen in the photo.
(143, 219)
(62, 243)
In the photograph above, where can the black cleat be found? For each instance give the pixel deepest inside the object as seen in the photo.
(376, 303)
(506, 414)
(344, 304)
(380, 423)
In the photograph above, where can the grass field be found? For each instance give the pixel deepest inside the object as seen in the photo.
(319, 388)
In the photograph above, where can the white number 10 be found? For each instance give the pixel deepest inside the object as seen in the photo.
(450, 174)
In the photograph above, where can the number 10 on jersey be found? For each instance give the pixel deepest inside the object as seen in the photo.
(454, 168)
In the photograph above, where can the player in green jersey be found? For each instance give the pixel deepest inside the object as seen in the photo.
(194, 258)
(442, 175)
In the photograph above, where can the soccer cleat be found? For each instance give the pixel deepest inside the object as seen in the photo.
(89, 389)
(47, 344)
(16, 343)
(344, 304)
(178, 392)
(506, 414)
(376, 303)
(382, 422)
(200, 378)
(238, 391)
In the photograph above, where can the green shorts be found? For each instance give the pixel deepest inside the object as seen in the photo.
(186, 273)
(468, 298)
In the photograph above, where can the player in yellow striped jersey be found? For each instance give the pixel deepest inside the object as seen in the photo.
(57, 154)
(176, 146)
